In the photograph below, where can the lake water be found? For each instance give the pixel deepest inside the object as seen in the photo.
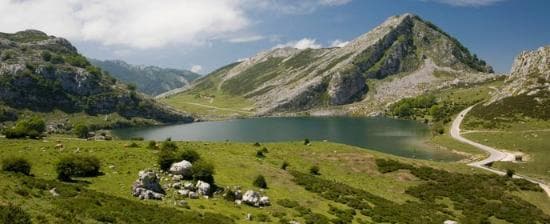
(398, 137)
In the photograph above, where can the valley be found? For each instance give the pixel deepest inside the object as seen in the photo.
(402, 124)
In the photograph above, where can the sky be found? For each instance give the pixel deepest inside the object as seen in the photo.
(203, 35)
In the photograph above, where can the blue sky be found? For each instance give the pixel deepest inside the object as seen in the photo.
(207, 34)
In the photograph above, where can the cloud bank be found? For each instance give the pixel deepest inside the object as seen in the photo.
(143, 24)
(304, 43)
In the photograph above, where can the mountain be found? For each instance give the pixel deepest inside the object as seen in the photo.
(404, 56)
(525, 94)
(151, 80)
(43, 74)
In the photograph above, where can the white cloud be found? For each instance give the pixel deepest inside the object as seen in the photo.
(339, 43)
(293, 6)
(133, 23)
(196, 68)
(304, 43)
(468, 3)
(246, 39)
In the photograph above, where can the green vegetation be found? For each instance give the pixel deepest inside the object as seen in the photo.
(260, 182)
(533, 144)
(77, 166)
(81, 130)
(190, 155)
(314, 170)
(16, 164)
(204, 171)
(235, 165)
(14, 215)
(510, 110)
(32, 127)
(467, 193)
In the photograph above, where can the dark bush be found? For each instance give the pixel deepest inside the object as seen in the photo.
(137, 138)
(265, 150)
(202, 170)
(260, 182)
(166, 158)
(168, 145)
(314, 170)
(510, 173)
(152, 145)
(190, 155)
(257, 144)
(260, 154)
(46, 56)
(15, 164)
(14, 215)
(284, 165)
(133, 145)
(81, 131)
(77, 166)
(306, 141)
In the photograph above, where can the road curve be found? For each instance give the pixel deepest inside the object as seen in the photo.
(494, 154)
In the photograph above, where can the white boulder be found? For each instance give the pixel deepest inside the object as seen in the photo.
(203, 188)
(181, 168)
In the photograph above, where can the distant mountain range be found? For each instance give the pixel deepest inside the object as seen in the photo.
(151, 80)
(41, 73)
(403, 57)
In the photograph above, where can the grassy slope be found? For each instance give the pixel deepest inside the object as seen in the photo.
(236, 164)
(206, 101)
(535, 144)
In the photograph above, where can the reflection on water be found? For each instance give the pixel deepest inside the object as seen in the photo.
(398, 137)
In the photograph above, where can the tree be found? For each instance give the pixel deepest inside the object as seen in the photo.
(260, 182)
(32, 127)
(284, 165)
(81, 131)
(510, 173)
(77, 166)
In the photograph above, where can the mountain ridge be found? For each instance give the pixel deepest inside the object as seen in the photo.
(149, 79)
(288, 80)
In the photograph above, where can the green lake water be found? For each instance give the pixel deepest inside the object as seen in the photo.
(397, 137)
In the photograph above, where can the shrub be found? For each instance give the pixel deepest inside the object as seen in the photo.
(260, 154)
(152, 145)
(510, 173)
(168, 145)
(77, 60)
(32, 127)
(18, 165)
(260, 182)
(166, 158)
(81, 131)
(257, 144)
(230, 195)
(204, 171)
(56, 59)
(306, 141)
(265, 150)
(314, 170)
(190, 155)
(284, 165)
(14, 215)
(77, 166)
(46, 56)
(133, 145)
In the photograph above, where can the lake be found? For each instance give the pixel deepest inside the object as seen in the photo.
(399, 137)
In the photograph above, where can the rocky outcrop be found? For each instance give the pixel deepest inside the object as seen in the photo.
(45, 73)
(147, 186)
(530, 74)
(255, 199)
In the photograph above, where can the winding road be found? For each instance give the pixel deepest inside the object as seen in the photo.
(494, 154)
